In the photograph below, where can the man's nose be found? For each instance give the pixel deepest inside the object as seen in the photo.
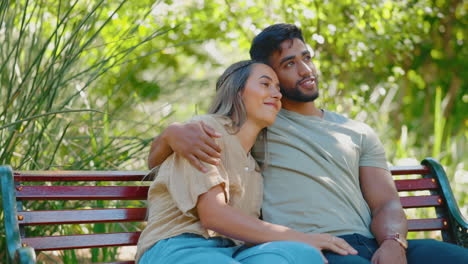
(305, 69)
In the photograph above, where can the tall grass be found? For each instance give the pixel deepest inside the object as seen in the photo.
(51, 54)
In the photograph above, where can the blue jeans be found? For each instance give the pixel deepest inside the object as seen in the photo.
(424, 251)
(191, 248)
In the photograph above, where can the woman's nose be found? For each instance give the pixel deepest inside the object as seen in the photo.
(275, 93)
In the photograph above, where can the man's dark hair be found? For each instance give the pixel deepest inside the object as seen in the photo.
(270, 39)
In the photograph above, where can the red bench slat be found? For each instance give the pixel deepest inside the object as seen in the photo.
(428, 224)
(409, 170)
(81, 216)
(82, 241)
(81, 192)
(421, 201)
(416, 185)
(80, 176)
(139, 175)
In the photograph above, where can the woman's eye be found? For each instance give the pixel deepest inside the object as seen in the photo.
(265, 84)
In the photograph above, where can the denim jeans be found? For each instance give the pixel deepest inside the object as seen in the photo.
(191, 248)
(424, 251)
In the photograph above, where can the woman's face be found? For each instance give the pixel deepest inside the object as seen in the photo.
(261, 95)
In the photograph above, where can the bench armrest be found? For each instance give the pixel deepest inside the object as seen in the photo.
(12, 234)
(458, 222)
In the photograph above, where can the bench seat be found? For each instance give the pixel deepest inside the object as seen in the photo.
(22, 190)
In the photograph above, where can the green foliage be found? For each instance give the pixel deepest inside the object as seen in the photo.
(52, 55)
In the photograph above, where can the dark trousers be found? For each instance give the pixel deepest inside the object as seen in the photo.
(424, 251)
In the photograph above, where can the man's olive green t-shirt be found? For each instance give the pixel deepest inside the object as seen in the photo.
(311, 183)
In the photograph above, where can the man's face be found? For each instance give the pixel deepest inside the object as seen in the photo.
(296, 72)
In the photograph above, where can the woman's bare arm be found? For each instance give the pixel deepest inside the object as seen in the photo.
(215, 214)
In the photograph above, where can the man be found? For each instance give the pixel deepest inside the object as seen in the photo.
(327, 173)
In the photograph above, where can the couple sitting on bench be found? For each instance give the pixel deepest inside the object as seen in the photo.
(326, 194)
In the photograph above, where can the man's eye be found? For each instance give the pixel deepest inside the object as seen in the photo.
(307, 58)
(289, 64)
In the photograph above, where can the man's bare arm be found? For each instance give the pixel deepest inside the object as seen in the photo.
(193, 141)
(388, 217)
(159, 151)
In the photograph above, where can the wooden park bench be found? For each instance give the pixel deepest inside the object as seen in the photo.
(22, 189)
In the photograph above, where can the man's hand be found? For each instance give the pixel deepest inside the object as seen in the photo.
(391, 252)
(195, 142)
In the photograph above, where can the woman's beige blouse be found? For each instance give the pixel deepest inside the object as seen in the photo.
(172, 197)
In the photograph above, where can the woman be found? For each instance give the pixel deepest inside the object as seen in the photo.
(197, 217)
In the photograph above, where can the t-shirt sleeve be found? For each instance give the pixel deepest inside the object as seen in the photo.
(373, 152)
(185, 183)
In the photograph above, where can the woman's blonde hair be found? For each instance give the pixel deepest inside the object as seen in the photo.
(228, 99)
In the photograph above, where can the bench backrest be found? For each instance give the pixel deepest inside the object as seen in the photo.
(93, 187)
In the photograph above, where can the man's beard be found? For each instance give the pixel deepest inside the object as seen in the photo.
(295, 94)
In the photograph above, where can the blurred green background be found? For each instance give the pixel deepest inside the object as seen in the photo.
(87, 84)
